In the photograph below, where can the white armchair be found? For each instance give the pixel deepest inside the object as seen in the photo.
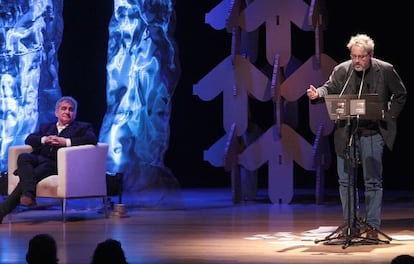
(81, 174)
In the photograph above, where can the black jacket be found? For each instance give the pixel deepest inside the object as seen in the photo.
(80, 133)
(384, 81)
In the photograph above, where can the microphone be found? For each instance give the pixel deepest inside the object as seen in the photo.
(346, 83)
(361, 84)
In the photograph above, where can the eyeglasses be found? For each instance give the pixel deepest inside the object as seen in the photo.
(359, 57)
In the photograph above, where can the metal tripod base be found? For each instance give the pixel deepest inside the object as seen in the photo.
(346, 235)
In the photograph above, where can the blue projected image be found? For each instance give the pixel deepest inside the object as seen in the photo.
(30, 32)
(142, 72)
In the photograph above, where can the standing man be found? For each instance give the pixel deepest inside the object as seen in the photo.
(42, 161)
(364, 74)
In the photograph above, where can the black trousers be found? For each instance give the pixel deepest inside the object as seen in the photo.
(31, 168)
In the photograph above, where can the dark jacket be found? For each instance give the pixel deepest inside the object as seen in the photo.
(384, 81)
(80, 133)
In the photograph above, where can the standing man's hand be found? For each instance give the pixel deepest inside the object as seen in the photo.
(312, 93)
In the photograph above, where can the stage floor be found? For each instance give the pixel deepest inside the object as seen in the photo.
(209, 228)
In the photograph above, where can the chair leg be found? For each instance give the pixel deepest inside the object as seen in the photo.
(63, 206)
(105, 206)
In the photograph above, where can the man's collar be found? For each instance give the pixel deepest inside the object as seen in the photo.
(61, 126)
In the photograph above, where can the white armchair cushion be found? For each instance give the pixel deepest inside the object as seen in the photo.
(48, 187)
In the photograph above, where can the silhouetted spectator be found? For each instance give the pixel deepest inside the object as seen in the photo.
(403, 259)
(42, 250)
(109, 251)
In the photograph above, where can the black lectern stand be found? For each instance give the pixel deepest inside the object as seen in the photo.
(353, 108)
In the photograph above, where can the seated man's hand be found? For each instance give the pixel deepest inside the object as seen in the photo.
(55, 140)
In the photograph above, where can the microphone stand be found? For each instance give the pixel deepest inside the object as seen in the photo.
(353, 225)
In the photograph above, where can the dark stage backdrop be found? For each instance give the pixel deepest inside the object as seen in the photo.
(196, 124)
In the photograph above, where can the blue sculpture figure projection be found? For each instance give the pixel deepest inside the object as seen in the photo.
(30, 33)
(142, 73)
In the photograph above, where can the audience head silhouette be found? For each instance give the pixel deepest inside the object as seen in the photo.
(403, 259)
(42, 250)
(109, 251)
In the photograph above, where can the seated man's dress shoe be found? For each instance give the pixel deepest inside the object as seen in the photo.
(27, 200)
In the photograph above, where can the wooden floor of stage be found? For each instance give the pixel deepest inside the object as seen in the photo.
(209, 228)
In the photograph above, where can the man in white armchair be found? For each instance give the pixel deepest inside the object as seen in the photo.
(42, 161)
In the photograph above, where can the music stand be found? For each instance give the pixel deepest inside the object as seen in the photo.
(351, 108)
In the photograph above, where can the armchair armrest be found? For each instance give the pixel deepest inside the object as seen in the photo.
(82, 170)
